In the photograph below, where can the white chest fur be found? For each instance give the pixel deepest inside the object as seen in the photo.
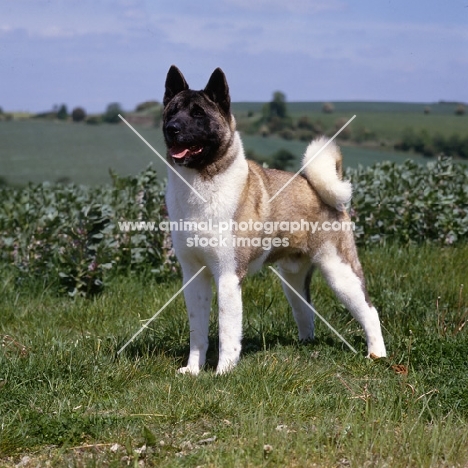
(222, 193)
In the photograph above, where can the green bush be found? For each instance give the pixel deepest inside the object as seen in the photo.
(410, 203)
(62, 113)
(69, 235)
(112, 113)
(93, 120)
(423, 143)
(78, 114)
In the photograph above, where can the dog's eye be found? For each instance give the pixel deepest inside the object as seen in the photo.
(198, 112)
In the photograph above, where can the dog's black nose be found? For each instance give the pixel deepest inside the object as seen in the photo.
(172, 128)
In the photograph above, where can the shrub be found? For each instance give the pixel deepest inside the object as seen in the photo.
(287, 134)
(460, 109)
(112, 113)
(328, 108)
(409, 203)
(93, 120)
(264, 130)
(78, 114)
(423, 143)
(69, 235)
(62, 113)
(362, 134)
(147, 105)
(282, 159)
(345, 134)
(304, 123)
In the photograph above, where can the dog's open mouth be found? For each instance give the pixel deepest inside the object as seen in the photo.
(179, 152)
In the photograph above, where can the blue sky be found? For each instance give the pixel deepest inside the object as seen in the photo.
(92, 52)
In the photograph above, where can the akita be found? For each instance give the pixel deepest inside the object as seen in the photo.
(225, 189)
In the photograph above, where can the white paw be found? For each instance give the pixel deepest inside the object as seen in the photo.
(376, 352)
(189, 370)
(225, 367)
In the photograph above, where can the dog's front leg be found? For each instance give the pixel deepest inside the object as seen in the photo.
(230, 321)
(198, 300)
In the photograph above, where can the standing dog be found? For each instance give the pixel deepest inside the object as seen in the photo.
(205, 149)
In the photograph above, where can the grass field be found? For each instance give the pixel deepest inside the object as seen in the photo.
(35, 151)
(67, 399)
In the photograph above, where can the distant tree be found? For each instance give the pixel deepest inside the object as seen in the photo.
(460, 110)
(62, 112)
(146, 105)
(282, 159)
(1, 110)
(112, 113)
(278, 105)
(78, 114)
(328, 108)
(276, 108)
(345, 134)
(304, 123)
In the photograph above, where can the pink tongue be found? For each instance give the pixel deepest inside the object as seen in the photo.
(175, 153)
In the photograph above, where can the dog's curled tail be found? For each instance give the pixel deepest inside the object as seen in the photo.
(323, 170)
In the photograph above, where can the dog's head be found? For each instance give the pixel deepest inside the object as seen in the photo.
(197, 125)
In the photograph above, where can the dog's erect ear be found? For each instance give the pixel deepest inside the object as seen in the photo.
(175, 83)
(217, 90)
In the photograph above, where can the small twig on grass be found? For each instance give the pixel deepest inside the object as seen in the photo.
(10, 345)
(365, 395)
(430, 392)
(91, 446)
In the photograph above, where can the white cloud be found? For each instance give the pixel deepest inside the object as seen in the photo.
(295, 6)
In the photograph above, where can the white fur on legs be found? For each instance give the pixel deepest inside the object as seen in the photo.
(295, 273)
(230, 321)
(348, 288)
(198, 299)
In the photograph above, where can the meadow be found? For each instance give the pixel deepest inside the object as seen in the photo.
(68, 399)
(74, 290)
(35, 151)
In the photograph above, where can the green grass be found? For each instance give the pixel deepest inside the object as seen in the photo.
(353, 156)
(36, 151)
(387, 107)
(66, 397)
(386, 119)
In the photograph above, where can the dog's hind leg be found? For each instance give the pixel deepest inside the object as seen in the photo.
(298, 274)
(343, 273)
(198, 300)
